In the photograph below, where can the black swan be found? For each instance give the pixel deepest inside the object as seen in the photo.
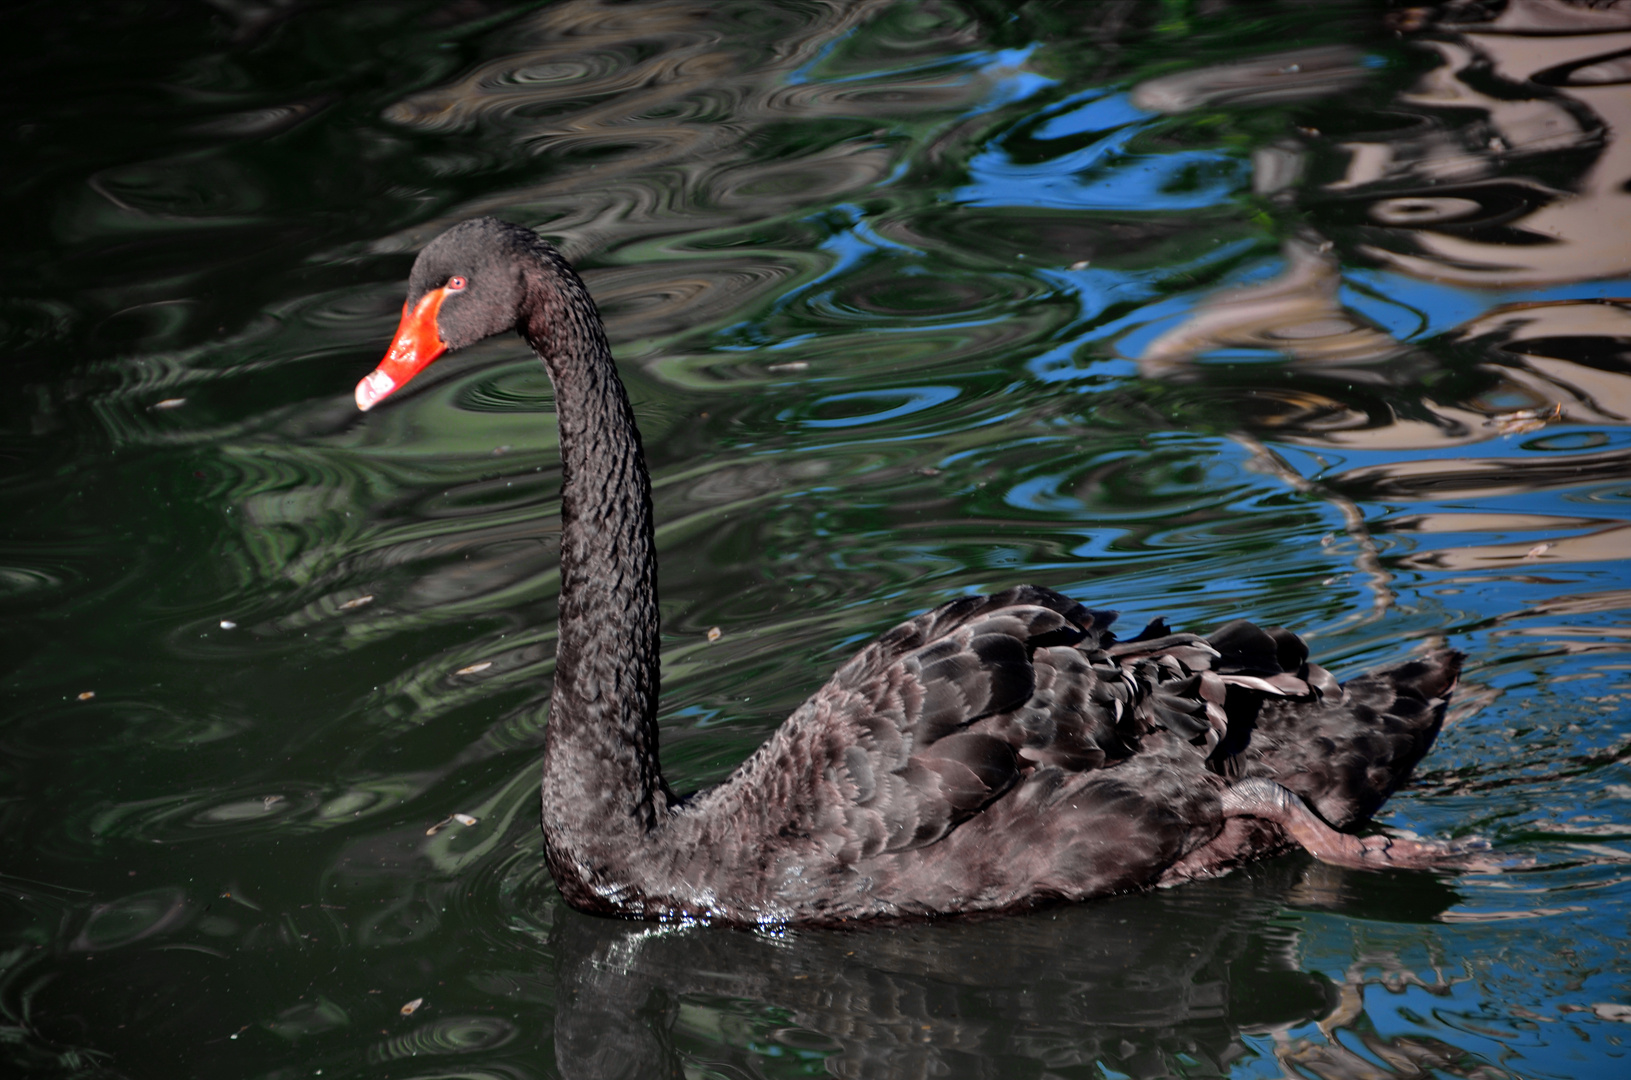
(994, 754)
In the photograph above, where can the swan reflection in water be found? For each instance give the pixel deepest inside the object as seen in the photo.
(1180, 980)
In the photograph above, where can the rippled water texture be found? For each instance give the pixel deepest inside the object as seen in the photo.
(1317, 313)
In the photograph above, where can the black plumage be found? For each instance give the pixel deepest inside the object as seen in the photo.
(996, 753)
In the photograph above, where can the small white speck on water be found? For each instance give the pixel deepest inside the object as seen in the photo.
(228, 624)
(715, 633)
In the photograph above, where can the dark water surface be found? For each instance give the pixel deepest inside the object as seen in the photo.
(1299, 311)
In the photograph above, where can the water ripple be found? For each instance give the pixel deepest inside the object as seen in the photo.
(453, 1035)
(878, 406)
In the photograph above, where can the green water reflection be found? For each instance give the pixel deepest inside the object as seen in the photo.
(1309, 312)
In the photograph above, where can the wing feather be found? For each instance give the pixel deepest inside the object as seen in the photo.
(951, 711)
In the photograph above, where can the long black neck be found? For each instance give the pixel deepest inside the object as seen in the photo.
(603, 792)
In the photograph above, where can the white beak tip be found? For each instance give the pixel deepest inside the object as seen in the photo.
(374, 388)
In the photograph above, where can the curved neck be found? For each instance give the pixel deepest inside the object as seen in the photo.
(603, 791)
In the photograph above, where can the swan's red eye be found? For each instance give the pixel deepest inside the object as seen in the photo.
(455, 283)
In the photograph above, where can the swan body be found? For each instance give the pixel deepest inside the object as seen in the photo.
(995, 754)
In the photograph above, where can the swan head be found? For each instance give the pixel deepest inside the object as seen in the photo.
(468, 284)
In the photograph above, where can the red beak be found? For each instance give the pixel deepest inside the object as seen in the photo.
(417, 343)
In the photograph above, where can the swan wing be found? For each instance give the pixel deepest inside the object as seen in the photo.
(951, 710)
(902, 743)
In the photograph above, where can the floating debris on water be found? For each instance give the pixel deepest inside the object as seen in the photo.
(474, 668)
(170, 403)
(236, 899)
(715, 633)
(1524, 420)
(228, 624)
(789, 365)
(86, 695)
(463, 819)
(357, 603)
(412, 1007)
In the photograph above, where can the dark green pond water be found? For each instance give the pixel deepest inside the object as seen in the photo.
(1298, 311)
